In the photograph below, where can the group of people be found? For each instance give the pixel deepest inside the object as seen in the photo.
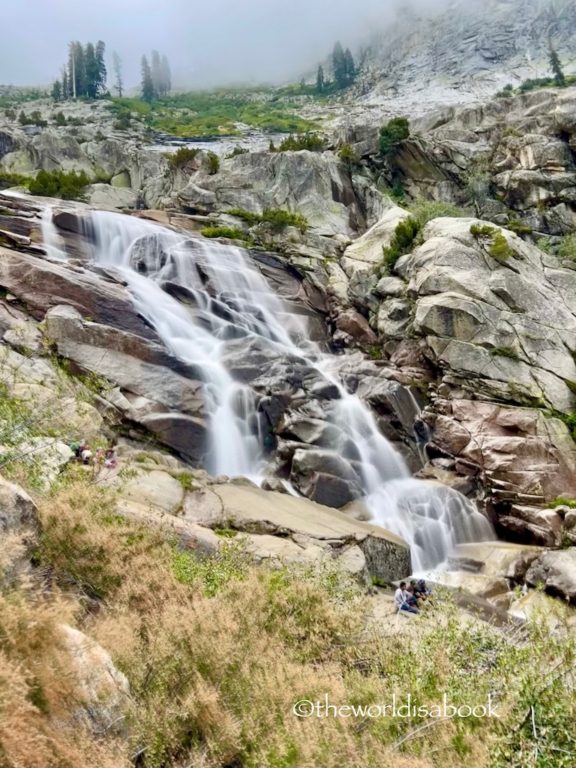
(101, 458)
(410, 597)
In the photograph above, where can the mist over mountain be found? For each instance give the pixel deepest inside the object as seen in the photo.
(209, 44)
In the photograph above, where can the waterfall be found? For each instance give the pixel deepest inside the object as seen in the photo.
(225, 305)
(52, 241)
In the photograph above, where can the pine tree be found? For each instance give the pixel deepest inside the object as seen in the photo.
(166, 76)
(339, 66)
(349, 67)
(320, 83)
(119, 81)
(57, 91)
(147, 82)
(101, 68)
(65, 86)
(556, 66)
(156, 73)
(91, 69)
(77, 70)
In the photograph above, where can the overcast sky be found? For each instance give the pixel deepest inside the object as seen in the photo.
(208, 42)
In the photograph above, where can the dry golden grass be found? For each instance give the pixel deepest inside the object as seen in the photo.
(218, 652)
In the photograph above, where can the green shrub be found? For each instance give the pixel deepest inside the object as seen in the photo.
(13, 180)
(34, 118)
(237, 151)
(506, 92)
(280, 219)
(213, 163)
(393, 134)
(347, 154)
(516, 226)
(67, 185)
(567, 248)
(424, 211)
(402, 242)
(562, 501)
(482, 230)
(505, 352)
(500, 250)
(309, 141)
(229, 232)
(60, 119)
(182, 157)
(247, 216)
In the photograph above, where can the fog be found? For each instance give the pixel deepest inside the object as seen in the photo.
(208, 42)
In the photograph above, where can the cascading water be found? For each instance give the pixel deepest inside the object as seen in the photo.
(50, 237)
(228, 302)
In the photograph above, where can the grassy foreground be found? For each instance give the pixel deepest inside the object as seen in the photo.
(217, 652)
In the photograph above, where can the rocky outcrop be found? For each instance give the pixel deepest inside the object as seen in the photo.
(493, 339)
(19, 527)
(317, 185)
(40, 285)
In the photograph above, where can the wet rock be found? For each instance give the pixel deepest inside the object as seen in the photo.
(41, 285)
(325, 477)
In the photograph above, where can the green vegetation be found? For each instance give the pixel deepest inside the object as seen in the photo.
(348, 155)
(567, 248)
(482, 230)
(277, 217)
(556, 67)
(213, 163)
(393, 134)
(505, 352)
(516, 226)
(402, 242)
(506, 92)
(213, 113)
(218, 651)
(562, 501)
(67, 185)
(34, 118)
(13, 180)
(237, 151)
(343, 66)
(310, 141)
(499, 249)
(182, 157)
(424, 211)
(229, 232)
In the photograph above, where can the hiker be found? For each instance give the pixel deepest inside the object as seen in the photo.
(422, 591)
(412, 596)
(110, 460)
(401, 598)
(85, 453)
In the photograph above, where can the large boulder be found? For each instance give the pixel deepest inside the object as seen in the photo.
(41, 285)
(310, 526)
(102, 690)
(556, 571)
(325, 477)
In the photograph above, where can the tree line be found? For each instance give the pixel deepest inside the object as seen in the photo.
(343, 68)
(85, 74)
(156, 77)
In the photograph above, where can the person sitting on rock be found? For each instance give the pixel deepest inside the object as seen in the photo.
(110, 460)
(86, 454)
(401, 598)
(412, 599)
(422, 591)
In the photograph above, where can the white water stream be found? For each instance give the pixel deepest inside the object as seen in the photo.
(231, 300)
